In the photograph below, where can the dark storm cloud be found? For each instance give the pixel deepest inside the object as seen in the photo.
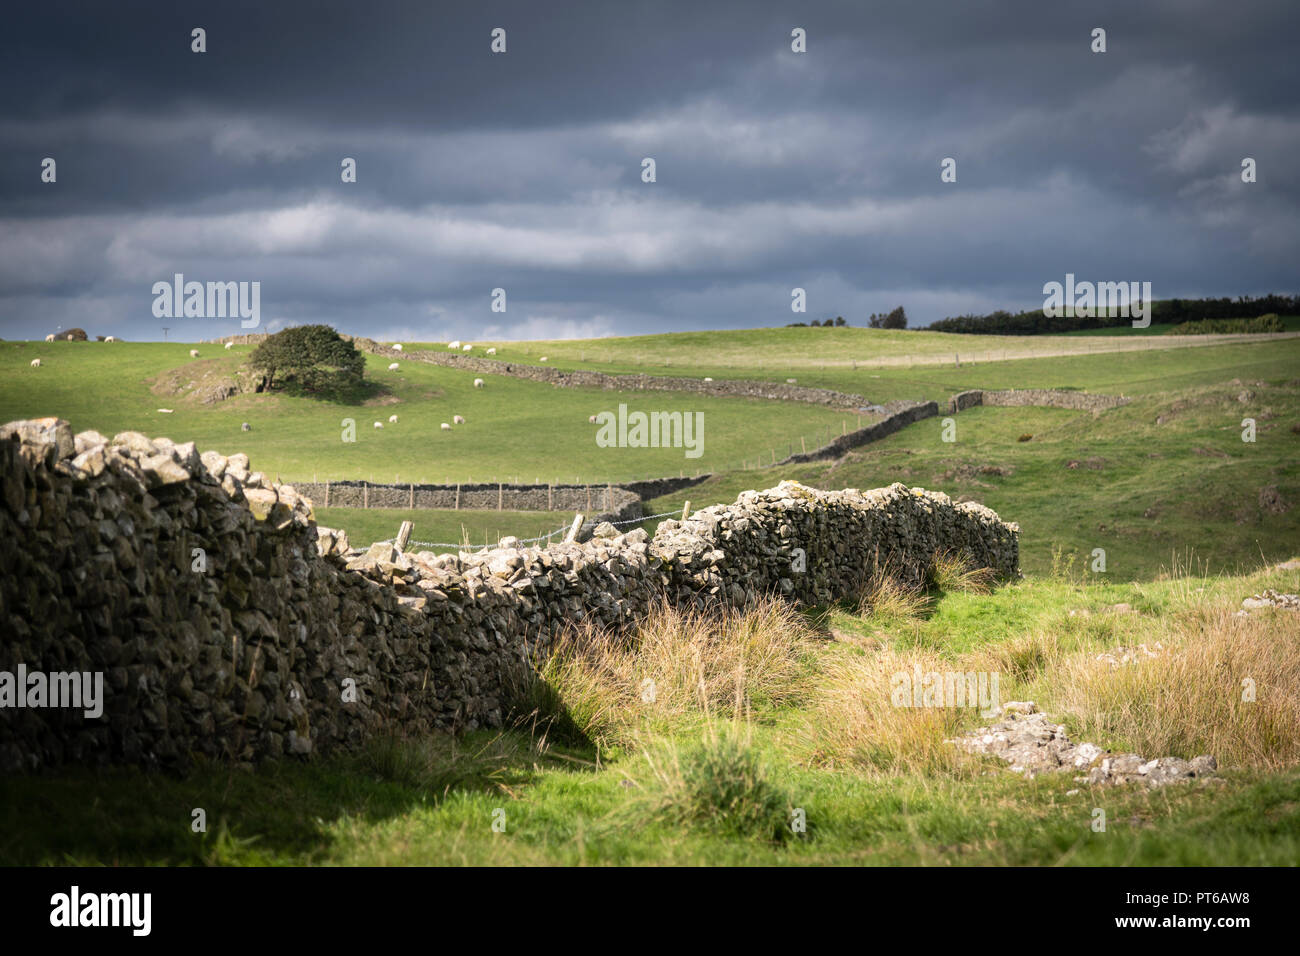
(522, 171)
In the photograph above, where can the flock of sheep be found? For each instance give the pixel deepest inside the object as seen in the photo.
(455, 419)
(393, 367)
(36, 363)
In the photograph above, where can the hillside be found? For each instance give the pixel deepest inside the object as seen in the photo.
(1142, 491)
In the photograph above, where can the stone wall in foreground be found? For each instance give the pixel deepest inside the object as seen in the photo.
(227, 625)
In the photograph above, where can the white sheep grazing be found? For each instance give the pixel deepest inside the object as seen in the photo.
(397, 347)
(392, 419)
(50, 337)
(36, 363)
(70, 339)
(458, 419)
(393, 367)
(110, 338)
(708, 379)
(379, 424)
(466, 348)
(194, 353)
(592, 419)
(446, 427)
(454, 345)
(542, 359)
(165, 411)
(230, 345)
(492, 351)
(478, 383)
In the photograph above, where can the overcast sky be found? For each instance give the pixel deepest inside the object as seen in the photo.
(522, 170)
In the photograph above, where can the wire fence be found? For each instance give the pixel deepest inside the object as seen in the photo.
(563, 529)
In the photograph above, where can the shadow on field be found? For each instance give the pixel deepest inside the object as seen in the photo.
(260, 815)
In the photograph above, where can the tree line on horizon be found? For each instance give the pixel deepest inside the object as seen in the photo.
(1163, 311)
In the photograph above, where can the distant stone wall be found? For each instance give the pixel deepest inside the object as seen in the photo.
(1041, 397)
(722, 388)
(900, 416)
(483, 496)
(225, 624)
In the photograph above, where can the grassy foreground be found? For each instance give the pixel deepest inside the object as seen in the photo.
(758, 720)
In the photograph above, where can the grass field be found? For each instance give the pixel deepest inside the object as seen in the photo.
(776, 712)
(1141, 491)
(741, 351)
(793, 715)
(516, 430)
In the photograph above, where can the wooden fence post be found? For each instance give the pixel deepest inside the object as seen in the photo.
(365, 494)
(327, 494)
(403, 535)
(686, 510)
(458, 497)
(500, 494)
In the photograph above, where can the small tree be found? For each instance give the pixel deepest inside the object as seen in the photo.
(895, 320)
(839, 321)
(313, 357)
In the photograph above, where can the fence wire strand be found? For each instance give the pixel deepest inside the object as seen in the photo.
(462, 546)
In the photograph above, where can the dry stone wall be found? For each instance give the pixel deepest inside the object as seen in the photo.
(484, 496)
(1042, 397)
(898, 415)
(227, 625)
(579, 378)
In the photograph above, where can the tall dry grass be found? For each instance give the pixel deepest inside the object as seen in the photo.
(1189, 700)
(675, 664)
(853, 722)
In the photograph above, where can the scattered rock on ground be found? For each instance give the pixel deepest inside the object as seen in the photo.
(1027, 740)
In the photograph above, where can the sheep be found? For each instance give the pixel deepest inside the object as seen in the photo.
(393, 367)
(392, 419)
(397, 347)
(165, 411)
(379, 424)
(542, 359)
(478, 383)
(110, 338)
(194, 353)
(591, 419)
(466, 347)
(36, 363)
(492, 351)
(446, 427)
(230, 345)
(458, 419)
(50, 337)
(707, 379)
(71, 338)
(454, 345)
(245, 427)
(790, 381)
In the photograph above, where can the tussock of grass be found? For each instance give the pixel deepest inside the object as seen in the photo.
(440, 763)
(675, 665)
(854, 723)
(888, 598)
(719, 784)
(952, 571)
